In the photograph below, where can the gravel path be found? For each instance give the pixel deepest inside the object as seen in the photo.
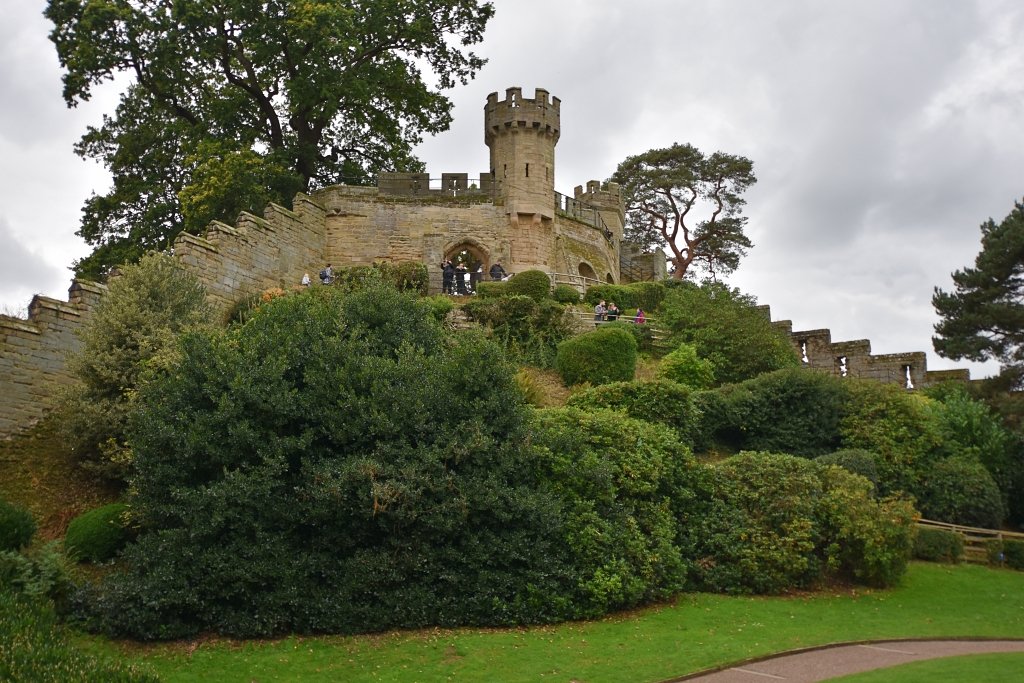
(820, 664)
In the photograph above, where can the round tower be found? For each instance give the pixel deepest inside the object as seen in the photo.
(522, 134)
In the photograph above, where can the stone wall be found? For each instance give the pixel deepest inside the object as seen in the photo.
(818, 352)
(33, 354)
(257, 253)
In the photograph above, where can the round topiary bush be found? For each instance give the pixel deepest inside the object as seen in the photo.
(16, 526)
(566, 294)
(684, 366)
(961, 491)
(602, 356)
(532, 283)
(97, 535)
(491, 290)
(854, 460)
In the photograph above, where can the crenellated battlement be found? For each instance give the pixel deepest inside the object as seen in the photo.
(541, 114)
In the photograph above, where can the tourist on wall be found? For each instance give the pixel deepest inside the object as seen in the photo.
(497, 272)
(599, 311)
(447, 277)
(639, 318)
(327, 275)
(305, 280)
(613, 312)
(461, 277)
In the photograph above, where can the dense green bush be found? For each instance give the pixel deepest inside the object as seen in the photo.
(865, 539)
(41, 574)
(617, 478)
(727, 328)
(969, 429)
(98, 535)
(489, 290)
(659, 402)
(529, 331)
(35, 647)
(961, 491)
(896, 426)
(336, 464)
(565, 294)
(788, 411)
(1013, 554)
(938, 545)
(405, 276)
(645, 295)
(440, 306)
(643, 334)
(684, 366)
(774, 522)
(853, 460)
(532, 283)
(130, 335)
(16, 526)
(602, 356)
(757, 532)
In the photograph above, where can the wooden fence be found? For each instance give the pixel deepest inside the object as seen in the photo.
(975, 539)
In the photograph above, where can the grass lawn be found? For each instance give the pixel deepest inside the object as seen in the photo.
(697, 632)
(991, 668)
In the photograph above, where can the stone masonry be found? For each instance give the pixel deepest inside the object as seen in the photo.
(510, 213)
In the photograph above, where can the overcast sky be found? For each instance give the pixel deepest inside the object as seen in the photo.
(883, 133)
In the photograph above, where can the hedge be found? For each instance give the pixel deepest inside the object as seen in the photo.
(16, 526)
(645, 295)
(938, 545)
(532, 283)
(602, 356)
(658, 401)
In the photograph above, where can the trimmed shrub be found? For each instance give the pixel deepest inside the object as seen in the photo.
(602, 356)
(490, 289)
(1013, 554)
(16, 526)
(853, 460)
(617, 478)
(862, 538)
(532, 283)
(566, 294)
(756, 534)
(773, 522)
(659, 402)
(961, 491)
(98, 535)
(406, 276)
(938, 545)
(337, 464)
(643, 334)
(684, 366)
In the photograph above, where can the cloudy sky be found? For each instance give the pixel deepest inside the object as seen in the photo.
(883, 132)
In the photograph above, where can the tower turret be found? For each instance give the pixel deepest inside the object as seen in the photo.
(522, 134)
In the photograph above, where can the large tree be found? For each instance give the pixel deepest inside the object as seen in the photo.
(233, 103)
(983, 317)
(690, 202)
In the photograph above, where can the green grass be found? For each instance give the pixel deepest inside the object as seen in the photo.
(698, 632)
(991, 668)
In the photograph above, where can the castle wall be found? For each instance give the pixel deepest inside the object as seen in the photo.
(273, 251)
(33, 354)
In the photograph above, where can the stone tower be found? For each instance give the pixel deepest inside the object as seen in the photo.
(522, 134)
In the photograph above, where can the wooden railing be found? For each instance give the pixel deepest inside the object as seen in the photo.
(975, 539)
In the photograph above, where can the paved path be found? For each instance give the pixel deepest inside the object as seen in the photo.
(820, 664)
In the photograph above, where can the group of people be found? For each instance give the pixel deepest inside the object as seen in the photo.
(460, 280)
(610, 313)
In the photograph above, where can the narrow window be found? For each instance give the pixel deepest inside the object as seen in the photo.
(844, 369)
(906, 373)
(803, 352)
(527, 170)
(505, 170)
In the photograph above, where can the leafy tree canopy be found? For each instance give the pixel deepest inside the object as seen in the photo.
(689, 201)
(983, 317)
(233, 103)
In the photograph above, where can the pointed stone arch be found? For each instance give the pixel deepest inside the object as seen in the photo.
(586, 270)
(477, 251)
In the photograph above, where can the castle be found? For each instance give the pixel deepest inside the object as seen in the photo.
(510, 213)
